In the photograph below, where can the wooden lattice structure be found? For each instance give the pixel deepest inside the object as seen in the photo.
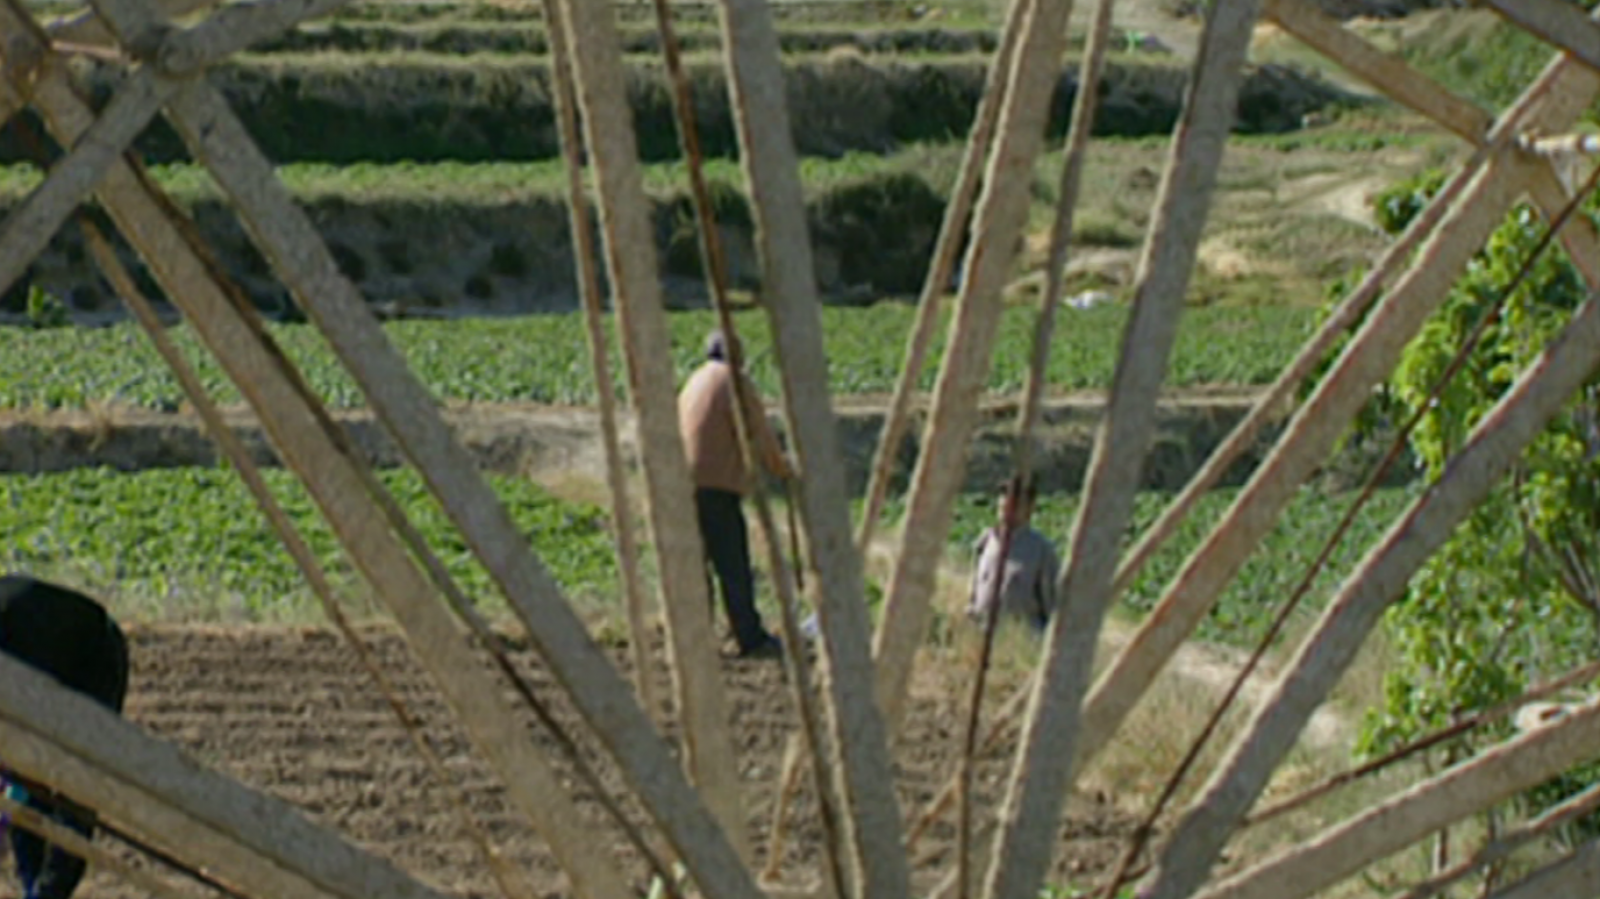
(262, 847)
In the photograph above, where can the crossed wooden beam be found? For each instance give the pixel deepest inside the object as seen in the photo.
(268, 849)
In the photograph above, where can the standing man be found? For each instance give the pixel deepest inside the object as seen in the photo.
(70, 637)
(1027, 575)
(721, 479)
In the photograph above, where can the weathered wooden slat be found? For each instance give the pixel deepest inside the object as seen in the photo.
(1044, 768)
(29, 228)
(1384, 71)
(1487, 778)
(1563, 24)
(772, 172)
(712, 854)
(1318, 423)
(1495, 444)
(55, 736)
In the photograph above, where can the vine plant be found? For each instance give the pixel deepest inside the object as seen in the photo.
(1513, 598)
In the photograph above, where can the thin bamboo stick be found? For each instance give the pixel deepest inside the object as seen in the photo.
(952, 230)
(71, 841)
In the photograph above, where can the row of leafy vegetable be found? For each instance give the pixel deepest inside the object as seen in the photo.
(545, 359)
(190, 542)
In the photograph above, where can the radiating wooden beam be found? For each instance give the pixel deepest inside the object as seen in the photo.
(789, 291)
(1493, 447)
(29, 228)
(1321, 861)
(1044, 769)
(312, 446)
(716, 859)
(1386, 72)
(1562, 93)
(54, 736)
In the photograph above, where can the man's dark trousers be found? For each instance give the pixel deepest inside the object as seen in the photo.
(722, 529)
(69, 636)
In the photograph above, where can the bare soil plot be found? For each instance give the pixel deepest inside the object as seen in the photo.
(290, 712)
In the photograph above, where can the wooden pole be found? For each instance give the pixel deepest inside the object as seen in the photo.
(1495, 444)
(1044, 766)
(292, 245)
(29, 228)
(680, 554)
(864, 773)
(958, 208)
(1563, 24)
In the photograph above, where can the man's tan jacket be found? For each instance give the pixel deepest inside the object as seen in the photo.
(710, 436)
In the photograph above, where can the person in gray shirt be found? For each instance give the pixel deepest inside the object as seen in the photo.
(1028, 573)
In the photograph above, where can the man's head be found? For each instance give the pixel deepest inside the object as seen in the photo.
(721, 346)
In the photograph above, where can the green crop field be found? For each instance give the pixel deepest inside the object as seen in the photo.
(191, 542)
(545, 358)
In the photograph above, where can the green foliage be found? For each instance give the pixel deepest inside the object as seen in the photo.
(195, 537)
(545, 358)
(1488, 616)
(180, 532)
(45, 310)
